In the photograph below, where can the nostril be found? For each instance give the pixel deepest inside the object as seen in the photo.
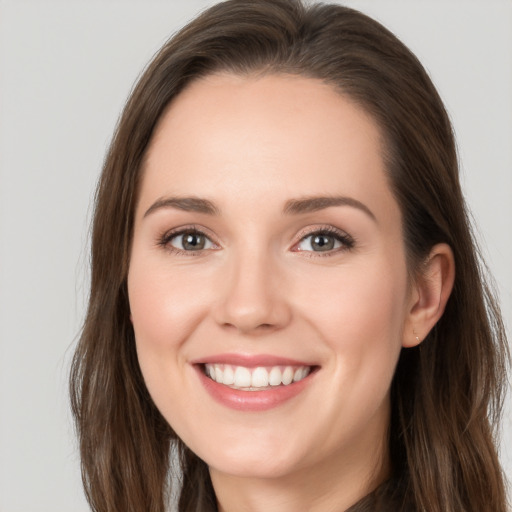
(266, 327)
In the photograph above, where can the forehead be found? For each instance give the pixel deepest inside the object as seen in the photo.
(259, 137)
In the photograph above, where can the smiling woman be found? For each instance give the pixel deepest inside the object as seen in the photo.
(309, 292)
(285, 291)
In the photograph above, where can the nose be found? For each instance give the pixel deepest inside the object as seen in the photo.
(253, 297)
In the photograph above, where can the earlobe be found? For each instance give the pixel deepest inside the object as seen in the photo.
(430, 294)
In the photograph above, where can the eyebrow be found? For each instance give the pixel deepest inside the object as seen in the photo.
(316, 203)
(291, 207)
(187, 204)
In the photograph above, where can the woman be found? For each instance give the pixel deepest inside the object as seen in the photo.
(287, 308)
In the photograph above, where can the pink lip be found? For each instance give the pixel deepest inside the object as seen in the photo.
(251, 400)
(250, 361)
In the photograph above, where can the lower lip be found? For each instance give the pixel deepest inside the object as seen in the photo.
(252, 400)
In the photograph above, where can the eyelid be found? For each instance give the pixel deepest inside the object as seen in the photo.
(165, 239)
(346, 240)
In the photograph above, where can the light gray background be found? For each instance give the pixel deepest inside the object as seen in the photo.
(65, 71)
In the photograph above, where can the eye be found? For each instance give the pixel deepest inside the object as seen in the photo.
(189, 240)
(325, 241)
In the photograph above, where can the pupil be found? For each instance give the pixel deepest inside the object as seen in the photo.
(193, 241)
(323, 243)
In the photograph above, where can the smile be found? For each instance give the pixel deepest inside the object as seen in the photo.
(255, 379)
(254, 382)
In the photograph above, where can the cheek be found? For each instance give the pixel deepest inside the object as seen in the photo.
(165, 306)
(359, 315)
(359, 296)
(360, 312)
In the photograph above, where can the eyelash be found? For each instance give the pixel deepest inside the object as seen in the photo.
(165, 240)
(347, 242)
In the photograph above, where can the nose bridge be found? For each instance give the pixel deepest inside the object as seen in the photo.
(252, 293)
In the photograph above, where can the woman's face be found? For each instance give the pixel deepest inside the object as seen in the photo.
(268, 246)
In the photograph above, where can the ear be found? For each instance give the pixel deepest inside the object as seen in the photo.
(429, 295)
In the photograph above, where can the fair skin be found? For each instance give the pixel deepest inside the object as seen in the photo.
(264, 277)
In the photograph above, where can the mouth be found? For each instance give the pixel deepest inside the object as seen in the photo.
(258, 378)
(254, 383)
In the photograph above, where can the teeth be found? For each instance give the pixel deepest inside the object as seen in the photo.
(242, 377)
(255, 378)
(259, 378)
(275, 376)
(287, 375)
(228, 376)
(297, 375)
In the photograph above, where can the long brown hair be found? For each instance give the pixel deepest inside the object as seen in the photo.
(447, 394)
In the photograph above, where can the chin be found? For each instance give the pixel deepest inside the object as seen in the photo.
(254, 468)
(254, 460)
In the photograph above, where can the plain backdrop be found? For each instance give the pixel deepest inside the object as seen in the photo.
(65, 71)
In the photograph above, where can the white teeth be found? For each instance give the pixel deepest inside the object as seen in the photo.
(275, 376)
(287, 376)
(300, 374)
(242, 377)
(255, 378)
(229, 376)
(259, 378)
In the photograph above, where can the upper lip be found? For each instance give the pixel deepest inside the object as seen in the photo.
(250, 360)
